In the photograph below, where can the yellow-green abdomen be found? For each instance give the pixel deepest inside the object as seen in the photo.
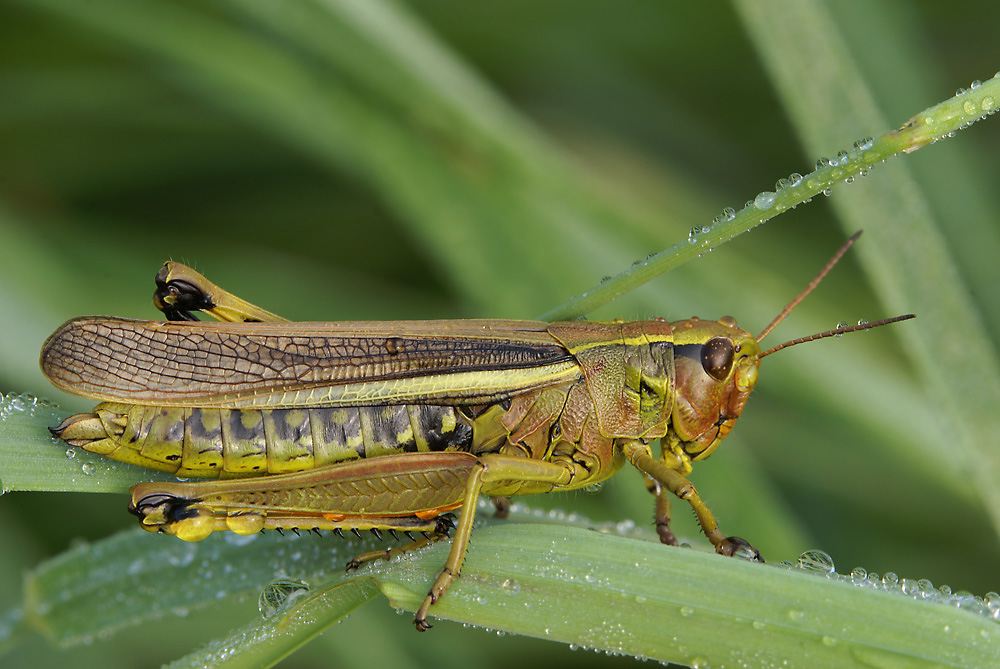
(225, 443)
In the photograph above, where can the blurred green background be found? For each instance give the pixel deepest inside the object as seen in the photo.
(389, 160)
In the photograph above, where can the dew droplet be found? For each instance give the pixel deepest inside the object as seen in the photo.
(687, 611)
(816, 561)
(864, 144)
(764, 200)
(594, 488)
(88, 469)
(748, 553)
(695, 232)
(840, 326)
(511, 586)
(729, 213)
(970, 107)
(279, 594)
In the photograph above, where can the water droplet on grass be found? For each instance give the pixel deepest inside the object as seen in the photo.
(279, 594)
(816, 562)
(764, 200)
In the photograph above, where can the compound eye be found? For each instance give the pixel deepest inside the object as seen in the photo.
(717, 357)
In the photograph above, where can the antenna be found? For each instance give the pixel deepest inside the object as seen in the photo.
(808, 289)
(812, 285)
(838, 331)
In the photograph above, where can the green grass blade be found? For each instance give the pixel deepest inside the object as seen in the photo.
(149, 577)
(931, 125)
(562, 583)
(603, 592)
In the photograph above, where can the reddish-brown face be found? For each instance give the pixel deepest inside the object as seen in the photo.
(716, 365)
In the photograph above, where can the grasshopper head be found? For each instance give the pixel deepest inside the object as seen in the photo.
(716, 365)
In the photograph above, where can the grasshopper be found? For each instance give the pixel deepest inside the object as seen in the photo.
(391, 425)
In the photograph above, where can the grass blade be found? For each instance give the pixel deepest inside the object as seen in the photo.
(563, 583)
